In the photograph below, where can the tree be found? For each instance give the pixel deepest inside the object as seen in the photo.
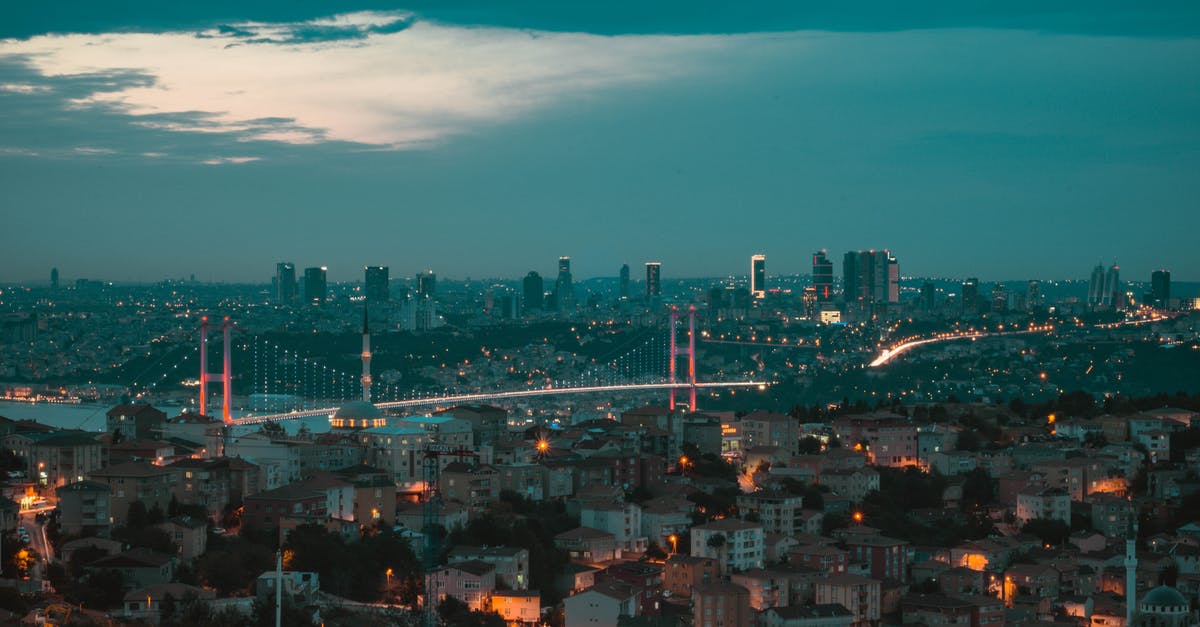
(1052, 532)
(716, 541)
(809, 445)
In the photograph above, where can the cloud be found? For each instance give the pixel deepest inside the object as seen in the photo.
(379, 79)
(229, 160)
(23, 88)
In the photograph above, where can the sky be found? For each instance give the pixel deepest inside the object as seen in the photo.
(1004, 140)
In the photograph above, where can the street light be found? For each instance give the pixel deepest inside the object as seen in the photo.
(674, 544)
(387, 588)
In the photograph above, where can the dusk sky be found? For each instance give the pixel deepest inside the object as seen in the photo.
(484, 139)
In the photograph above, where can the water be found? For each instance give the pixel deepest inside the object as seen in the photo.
(91, 417)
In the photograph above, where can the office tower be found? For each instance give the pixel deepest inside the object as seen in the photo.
(970, 296)
(871, 277)
(426, 284)
(823, 276)
(376, 280)
(564, 287)
(1034, 299)
(758, 275)
(1112, 287)
(1160, 288)
(533, 290)
(1096, 287)
(999, 297)
(285, 282)
(53, 278)
(653, 287)
(624, 281)
(314, 285)
(928, 296)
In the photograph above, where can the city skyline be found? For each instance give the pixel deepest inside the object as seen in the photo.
(1014, 144)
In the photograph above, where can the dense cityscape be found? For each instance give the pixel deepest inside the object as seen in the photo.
(468, 313)
(851, 448)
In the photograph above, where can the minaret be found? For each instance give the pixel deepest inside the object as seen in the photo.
(366, 359)
(1130, 573)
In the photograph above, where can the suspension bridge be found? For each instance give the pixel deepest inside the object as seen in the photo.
(281, 384)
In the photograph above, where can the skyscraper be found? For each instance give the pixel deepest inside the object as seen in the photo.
(1160, 288)
(758, 275)
(377, 286)
(314, 285)
(426, 284)
(534, 291)
(1096, 286)
(970, 296)
(928, 296)
(53, 278)
(624, 281)
(871, 277)
(1034, 299)
(285, 282)
(1112, 287)
(564, 287)
(653, 287)
(822, 276)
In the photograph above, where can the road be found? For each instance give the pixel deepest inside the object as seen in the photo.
(37, 543)
(899, 349)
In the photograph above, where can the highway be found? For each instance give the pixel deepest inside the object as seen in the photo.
(891, 353)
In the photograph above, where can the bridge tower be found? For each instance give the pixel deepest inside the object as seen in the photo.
(690, 351)
(226, 374)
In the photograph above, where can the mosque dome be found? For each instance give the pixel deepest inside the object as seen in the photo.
(358, 409)
(357, 415)
(1163, 597)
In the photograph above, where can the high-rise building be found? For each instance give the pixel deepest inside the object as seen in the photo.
(1160, 288)
(1112, 287)
(970, 296)
(625, 280)
(823, 276)
(53, 278)
(564, 287)
(653, 286)
(377, 286)
(871, 277)
(758, 275)
(285, 282)
(1034, 298)
(1096, 286)
(534, 291)
(426, 284)
(314, 285)
(928, 296)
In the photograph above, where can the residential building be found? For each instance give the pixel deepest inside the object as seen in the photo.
(737, 545)
(136, 481)
(511, 563)
(135, 422)
(778, 512)
(84, 508)
(518, 606)
(473, 485)
(139, 567)
(471, 582)
(600, 605)
(272, 508)
(831, 615)
(623, 520)
(1043, 503)
(189, 534)
(764, 428)
(587, 545)
(144, 605)
(886, 557)
(683, 572)
(856, 593)
(720, 605)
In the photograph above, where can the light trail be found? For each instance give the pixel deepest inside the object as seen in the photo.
(487, 396)
(899, 349)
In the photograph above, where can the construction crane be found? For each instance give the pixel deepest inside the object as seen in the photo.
(431, 467)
